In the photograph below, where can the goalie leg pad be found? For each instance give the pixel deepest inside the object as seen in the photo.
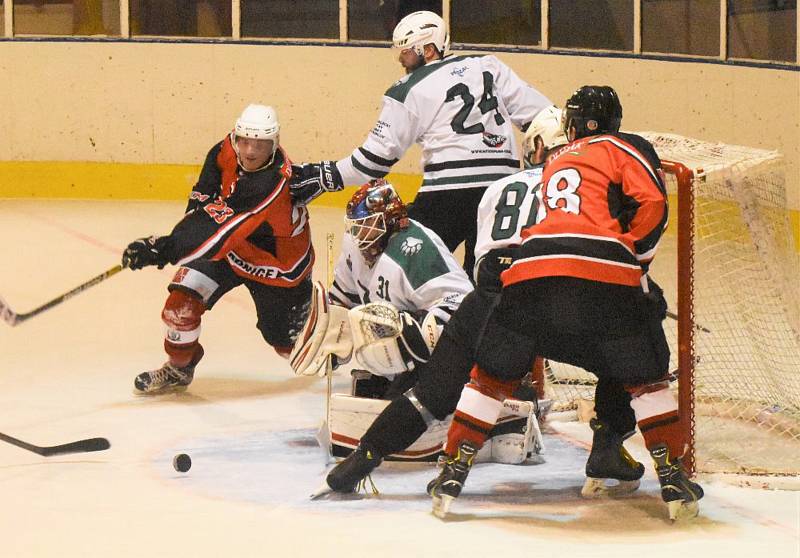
(325, 332)
(515, 436)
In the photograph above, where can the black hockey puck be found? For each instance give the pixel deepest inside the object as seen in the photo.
(182, 462)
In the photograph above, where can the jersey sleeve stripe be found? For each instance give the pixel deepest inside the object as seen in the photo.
(467, 163)
(368, 171)
(370, 156)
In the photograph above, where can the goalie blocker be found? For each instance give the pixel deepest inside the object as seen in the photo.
(381, 338)
(514, 438)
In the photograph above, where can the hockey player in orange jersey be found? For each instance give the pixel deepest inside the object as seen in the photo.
(242, 226)
(578, 292)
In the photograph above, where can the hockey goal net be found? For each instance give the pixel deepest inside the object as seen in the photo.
(730, 268)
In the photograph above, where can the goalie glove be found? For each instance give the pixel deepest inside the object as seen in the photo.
(311, 180)
(387, 341)
(325, 333)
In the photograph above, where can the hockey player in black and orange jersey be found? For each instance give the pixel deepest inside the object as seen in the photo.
(578, 292)
(241, 227)
(505, 208)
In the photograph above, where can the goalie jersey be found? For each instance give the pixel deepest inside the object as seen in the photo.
(416, 273)
(461, 110)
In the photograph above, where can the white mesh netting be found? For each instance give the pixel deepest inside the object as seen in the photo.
(746, 299)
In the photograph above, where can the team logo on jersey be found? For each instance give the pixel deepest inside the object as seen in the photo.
(411, 246)
(493, 140)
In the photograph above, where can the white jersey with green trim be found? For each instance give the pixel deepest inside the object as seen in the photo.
(416, 273)
(461, 110)
(506, 208)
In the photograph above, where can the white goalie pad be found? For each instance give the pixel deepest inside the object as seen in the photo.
(326, 332)
(376, 329)
(350, 417)
(515, 437)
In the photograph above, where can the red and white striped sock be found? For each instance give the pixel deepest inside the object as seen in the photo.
(658, 420)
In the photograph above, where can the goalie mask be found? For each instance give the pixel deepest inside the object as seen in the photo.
(373, 213)
(546, 125)
(257, 123)
(592, 110)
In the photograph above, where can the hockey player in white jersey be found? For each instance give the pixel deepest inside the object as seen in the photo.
(397, 284)
(462, 110)
(504, 210)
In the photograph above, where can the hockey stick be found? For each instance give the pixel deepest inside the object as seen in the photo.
(674, 316)
(81, 446)
(12, 318)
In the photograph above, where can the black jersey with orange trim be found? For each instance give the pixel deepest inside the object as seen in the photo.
(247, 219)
(605, 211)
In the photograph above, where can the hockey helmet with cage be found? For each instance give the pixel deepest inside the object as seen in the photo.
(592, 110)
(419, 29)
(547, 125)
(257, 122)
(373, 213)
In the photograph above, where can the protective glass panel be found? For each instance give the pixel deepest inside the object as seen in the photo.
(66, 17)
(368, 20)
(680, 27)
(496, 22)
(181, 18)
(596, 24)
(293, 19)
(763, 29)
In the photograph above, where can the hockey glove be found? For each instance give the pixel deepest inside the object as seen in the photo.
(654, 303)
(490, 266)
(143, 252)
(311, 180)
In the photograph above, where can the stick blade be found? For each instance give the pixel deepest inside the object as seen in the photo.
(7, 314)
(81, 446)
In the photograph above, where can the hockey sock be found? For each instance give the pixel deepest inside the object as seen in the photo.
(396, 428)
(478, 409)
(181, 317)
(657, 416)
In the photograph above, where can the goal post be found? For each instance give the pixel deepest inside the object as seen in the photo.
(730, 269)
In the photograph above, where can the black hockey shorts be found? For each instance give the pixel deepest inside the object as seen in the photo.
(281, 311)
(610, 330)
(453, 215)
(442, 378)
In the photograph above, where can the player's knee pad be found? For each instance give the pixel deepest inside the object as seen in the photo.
(181, 316)
(504, 353)
(193, 281)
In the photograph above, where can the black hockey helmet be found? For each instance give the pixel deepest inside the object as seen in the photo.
(592, 110)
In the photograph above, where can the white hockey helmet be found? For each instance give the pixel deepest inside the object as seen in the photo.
(257, 122)
(419, 29)
(547, 125)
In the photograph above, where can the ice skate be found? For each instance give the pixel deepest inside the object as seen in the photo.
(168, 378)
(448, 485)
(680, 494)
(610, 470)
(350, 473)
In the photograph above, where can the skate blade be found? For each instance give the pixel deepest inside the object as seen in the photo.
(598, 488)
(682, 511)
(441, 505)
(164, 391)
(322, 492)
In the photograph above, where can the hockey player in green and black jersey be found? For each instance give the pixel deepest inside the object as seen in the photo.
(462, 111)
